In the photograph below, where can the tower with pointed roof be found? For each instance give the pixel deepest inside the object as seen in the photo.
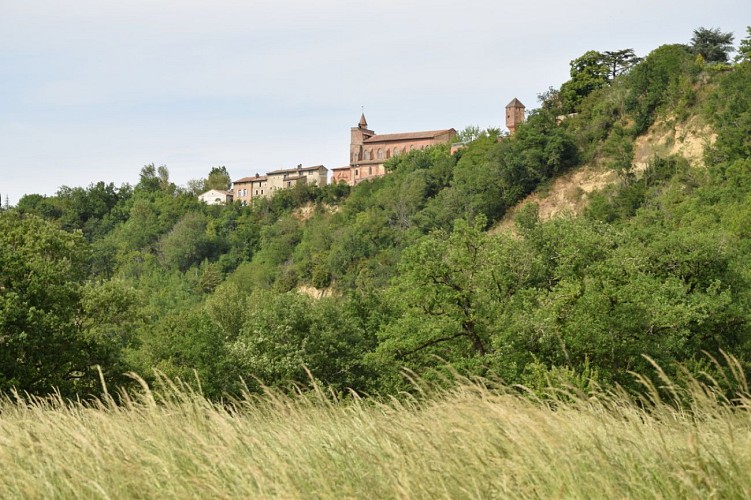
(358, 135)
(514, 114)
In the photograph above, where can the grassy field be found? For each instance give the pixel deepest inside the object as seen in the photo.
(470, 442)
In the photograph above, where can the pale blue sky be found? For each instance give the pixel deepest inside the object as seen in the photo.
(94, 89)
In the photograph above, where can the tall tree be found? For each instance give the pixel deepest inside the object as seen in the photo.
(620, 61)
(712, 44)
(589, 72)
(219, 179)
(41, 274)
(744, 49)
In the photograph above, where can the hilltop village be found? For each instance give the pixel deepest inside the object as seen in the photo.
(368, 153)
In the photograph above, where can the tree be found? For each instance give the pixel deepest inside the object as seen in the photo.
(589, 72)
(42, 347)
(712, 44)
(440, 299)
(620, 61)
(744, 49)
(188, 243)
(218, 179)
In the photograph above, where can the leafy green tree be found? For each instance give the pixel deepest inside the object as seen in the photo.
(729, 109)
(744, 48)
(619, 61)
(218, 179)
(111, 313)
(712, 44)
(188, 243)
(286, 335)
(42, 270)
(664, 78)
(187, 345)
(440, 301)
(589, 72)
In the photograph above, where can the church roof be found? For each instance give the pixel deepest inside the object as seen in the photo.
(363, 122)
(516, 103)
(405, 136)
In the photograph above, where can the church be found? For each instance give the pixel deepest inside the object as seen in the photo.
(369, 151)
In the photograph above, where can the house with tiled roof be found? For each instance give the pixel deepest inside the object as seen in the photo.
(245, 190)
(369, 151)
(242, 189)
(216, 197)
(289, 177)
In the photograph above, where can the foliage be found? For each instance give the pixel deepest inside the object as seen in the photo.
(42, 346)
(404, 273)
(218, 179)
(729, 109)
(712, 44)
(663, 79)
(620, 61)
(744, 48)
(589, 72)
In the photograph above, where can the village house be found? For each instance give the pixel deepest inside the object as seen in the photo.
(242, 189)
(216, 197)
(368, 151)
(287, 178)
(262, 186)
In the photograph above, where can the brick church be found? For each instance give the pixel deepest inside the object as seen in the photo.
(368, 151)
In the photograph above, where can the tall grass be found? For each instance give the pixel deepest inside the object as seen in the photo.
(469, 442)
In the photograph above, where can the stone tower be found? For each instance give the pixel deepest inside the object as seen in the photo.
(514, 114)
(357, 137)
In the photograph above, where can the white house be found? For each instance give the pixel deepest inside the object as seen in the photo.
(216, 197)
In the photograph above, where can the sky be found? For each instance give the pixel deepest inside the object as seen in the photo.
(93, 90)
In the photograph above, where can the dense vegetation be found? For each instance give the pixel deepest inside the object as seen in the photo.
(144, 277)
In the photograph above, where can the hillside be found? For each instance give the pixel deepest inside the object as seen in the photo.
(653, 159)
(568, 194)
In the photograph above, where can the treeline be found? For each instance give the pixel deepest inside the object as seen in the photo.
(146, 278)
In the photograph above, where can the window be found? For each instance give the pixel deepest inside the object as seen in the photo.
(396, 151)
(380, 154)
(370, 170)
(411, 148)
(261, 191)
(357, 172)
(289, 183)
(365, 156)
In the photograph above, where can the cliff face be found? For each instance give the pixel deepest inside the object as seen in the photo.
(569, 194)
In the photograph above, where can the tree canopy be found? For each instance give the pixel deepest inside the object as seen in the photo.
(712, 44)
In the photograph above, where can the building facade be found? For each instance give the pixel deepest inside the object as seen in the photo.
(369, 151)
(289, 177)
(242, 190)
(216, 197)
(247, 189)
